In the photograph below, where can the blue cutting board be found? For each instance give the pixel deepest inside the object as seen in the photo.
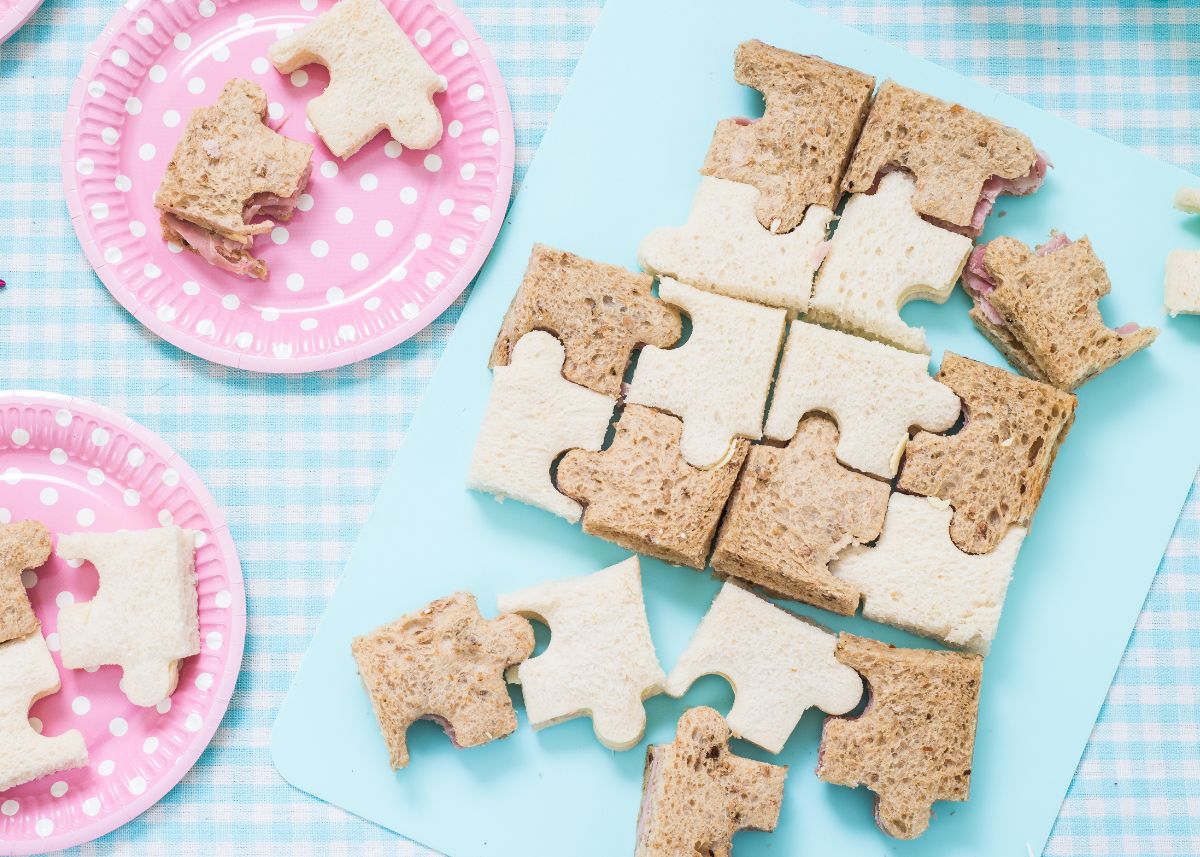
(621, 158)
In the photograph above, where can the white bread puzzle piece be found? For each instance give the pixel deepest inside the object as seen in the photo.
(377, 79)
(915, 577)
(144, 617)
(779, 666)
(27, 673)
(1188, 199)
(724, 249)
(716, 382)
(882, 256)
(876, 393)
(1181, 288)
(534, 414)
(600, 661)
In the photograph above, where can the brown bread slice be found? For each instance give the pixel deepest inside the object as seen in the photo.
(797, 152)
(643, 495)
(443, 663)
(23, 545)
(793, 510)
(696, 793)
(994, 470)
(913, 743)
(599, 312)
(950, 150)
(1050, 305)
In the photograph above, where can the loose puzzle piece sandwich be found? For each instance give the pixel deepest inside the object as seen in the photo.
(876, 393)
(23, 545)
(696, 794)
(144, 617)
(916, 579)
(962, 160)
(443, 663)
(994, 470)
(779, 666)
(794, 509)
(716, 382)
(27, 673)
(600, 661)
(1181, 288)
(723, 249)
(228, 169)
(641, 494)
(599, 312)
(883, 255)
(532, 417)
(1188, 199)
(797, 152)
(913, 743)
(1041, 309)
(377, 79)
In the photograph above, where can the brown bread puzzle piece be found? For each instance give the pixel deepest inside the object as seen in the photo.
(23, 545)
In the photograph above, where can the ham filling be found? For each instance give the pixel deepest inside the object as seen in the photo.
(1022, 186)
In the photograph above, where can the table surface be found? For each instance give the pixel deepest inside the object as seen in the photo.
(295, 461)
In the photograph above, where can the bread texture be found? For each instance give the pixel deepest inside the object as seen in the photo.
(1048, 301)
(797, 152)
(723, 249)
(994, 470)
(717, 382)
(1181, 287)
(916, 579)
(883, 255)
(600, 662)
(793, 510)
(23, 545)
(599, 312)
(444, 663)
(779, 665)
(533, 416)
(696, 794)
(377, 79)
(913, 743)
(876, 393)
(1188, 199)
(144, 617)
(27, 673)
(951, 151)
(641, 494)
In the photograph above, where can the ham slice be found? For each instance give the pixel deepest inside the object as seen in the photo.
(221, 252)
(1022, 186)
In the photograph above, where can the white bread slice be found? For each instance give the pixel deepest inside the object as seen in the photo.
(144, 617)
(917, 579)
(724, 249)
(716, 382)
(1188, 199)
(882, 256)
(377, 79)
(27, 673)
(876, 393)
(779, 665)
(1181, 288)
(534, 414)
(600, 661)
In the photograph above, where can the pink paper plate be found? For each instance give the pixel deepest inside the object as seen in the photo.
(76, 467)
(14, 14)
(384, 241)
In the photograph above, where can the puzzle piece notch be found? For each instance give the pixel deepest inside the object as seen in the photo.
(532, 416)
(445, 663)
(779, 666)
(27, 674)
(24, 545)
(913, 743)
(600, 662)
(377, 79)
(696, 794)
(144, 616)
(716, 382)
(723, 249)
(875, 393)
(883, 255)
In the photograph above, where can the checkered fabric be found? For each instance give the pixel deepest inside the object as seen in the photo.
(296, 462)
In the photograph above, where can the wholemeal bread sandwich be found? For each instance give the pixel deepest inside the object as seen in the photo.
(23, 545)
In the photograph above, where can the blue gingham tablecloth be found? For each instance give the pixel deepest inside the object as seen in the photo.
(296, 462)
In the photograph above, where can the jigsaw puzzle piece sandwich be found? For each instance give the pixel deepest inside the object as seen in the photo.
(24, 545)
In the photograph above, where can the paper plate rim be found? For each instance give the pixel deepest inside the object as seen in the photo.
(17, 16)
